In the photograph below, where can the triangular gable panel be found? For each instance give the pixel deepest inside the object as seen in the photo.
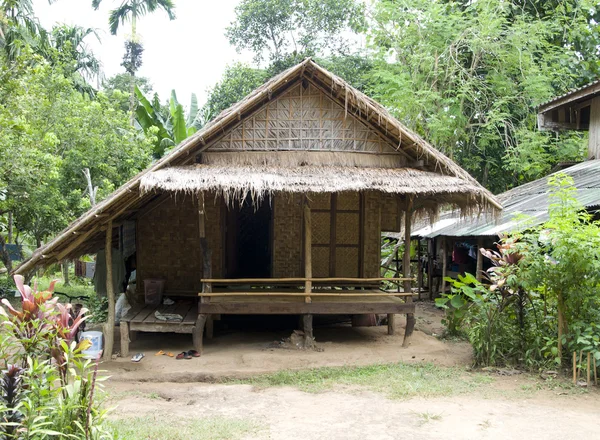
(304, 118)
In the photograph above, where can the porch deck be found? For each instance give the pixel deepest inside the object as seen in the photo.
(198, 314)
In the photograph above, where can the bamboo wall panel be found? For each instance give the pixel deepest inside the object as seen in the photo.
(347, 228)
(346, 262)
(320, 201)
(320, 262)
(321, 228)
(389, 213)
(372, 234)
(168, 243)
(348, 201)
(303, 118)
(287, 236)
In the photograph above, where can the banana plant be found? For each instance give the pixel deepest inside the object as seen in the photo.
(171, 125)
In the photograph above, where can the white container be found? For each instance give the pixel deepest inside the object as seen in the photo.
(96, 339)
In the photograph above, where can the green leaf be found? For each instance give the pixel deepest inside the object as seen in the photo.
(457, 301)
(193, 112)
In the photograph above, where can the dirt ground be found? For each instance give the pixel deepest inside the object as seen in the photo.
(286, 413)
(235, 353)
(160, 387)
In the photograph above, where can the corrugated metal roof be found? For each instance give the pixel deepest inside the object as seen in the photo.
(530, 200)
(558, 98)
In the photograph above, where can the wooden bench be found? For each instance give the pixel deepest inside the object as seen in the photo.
(142, 318)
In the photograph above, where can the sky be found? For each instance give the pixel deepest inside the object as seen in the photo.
(188, 54)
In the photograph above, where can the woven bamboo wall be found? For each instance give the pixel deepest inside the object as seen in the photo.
(287, 236)
(372, 234)
(167, 246)
(302, 119)
(390, 214)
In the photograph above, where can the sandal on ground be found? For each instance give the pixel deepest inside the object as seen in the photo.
(183, 355)
(159, 353)
(137, 357)
(193, 353)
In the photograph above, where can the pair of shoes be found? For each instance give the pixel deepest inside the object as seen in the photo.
(187, 354)
(137, 357)
(160, 353)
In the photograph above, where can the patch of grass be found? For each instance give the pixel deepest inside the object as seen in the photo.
(162, 428)
(427, 417)
(397, 381)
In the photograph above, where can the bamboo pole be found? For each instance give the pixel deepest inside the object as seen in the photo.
(109, 327)
(479, 271)
(307, 251)
(224, 294)
(574, 368)
(410, 317)
(444, 264)
(298, 280)
(588, 369)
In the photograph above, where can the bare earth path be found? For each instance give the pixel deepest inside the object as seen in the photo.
(287, 413)
(163, 392)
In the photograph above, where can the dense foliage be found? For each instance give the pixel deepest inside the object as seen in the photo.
(541, 301)
(469, 75)
(47, 387)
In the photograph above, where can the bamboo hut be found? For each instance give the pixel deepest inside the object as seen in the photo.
(275, 207)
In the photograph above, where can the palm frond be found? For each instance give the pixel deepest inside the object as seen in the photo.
(119, 16)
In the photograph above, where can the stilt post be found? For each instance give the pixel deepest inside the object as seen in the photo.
(410, 317)
(444, 263)
(479, 271)
(307, 251)
(206, 252)
(204, 248)
(109, 327)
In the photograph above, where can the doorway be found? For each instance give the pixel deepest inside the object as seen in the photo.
(249, 240)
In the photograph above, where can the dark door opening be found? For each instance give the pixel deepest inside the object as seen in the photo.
(248, 237)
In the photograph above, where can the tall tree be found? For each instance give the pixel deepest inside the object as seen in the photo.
(131, 10)
(278, 28)
(469, 75)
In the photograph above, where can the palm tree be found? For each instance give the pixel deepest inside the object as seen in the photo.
(131, 10)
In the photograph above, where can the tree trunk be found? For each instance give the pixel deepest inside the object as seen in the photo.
(561, 324)
(132, 73)
(5, 255)
(10, 227)
(65, 268)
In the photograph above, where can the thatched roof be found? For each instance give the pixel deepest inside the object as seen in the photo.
(235, 182)
(86, 233)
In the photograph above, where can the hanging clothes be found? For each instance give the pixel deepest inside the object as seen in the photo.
(118, 272)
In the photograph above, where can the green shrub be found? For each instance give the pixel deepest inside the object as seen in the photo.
(46, 386)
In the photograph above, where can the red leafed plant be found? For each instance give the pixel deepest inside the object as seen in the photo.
(41, 319)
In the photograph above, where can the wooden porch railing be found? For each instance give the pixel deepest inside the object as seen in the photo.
(206, 294)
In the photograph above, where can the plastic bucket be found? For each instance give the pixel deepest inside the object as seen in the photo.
(96, 339)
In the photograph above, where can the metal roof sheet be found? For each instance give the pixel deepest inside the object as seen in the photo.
(530, 200)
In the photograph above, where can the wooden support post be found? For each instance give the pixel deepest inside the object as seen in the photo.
(574, 368)
(479, 270)
(595, 373)
(588, 369)
(391, 323)
(420, 269)
(124, 327)
(444, 264)
(204, 249)
(198, 332)
(109, 327)
(430, 253)
(410, 317)
(307, 251)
